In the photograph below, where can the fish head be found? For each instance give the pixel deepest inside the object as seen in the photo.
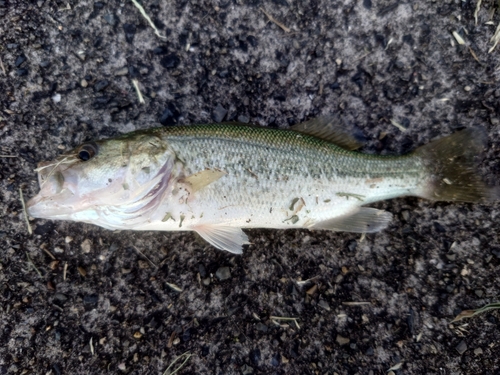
(104, 182)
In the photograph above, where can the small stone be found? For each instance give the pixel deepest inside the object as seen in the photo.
(478, 351)
(90, 301)
(60, 297)
(206, 281)
(223, 273)
(461, 348)
(101, 85)
(122, 71)
(84, 83)
(56, 98)
(467, 88)
(323, 304)
(219, 113)
(58, 250)
(406, 215)
(261, 327)
(129, 32)
(479, 293)
(170, 61)
(122, 367)
(82, 271)
(342, 340)
(20, 59)
(243, 119)
(86, 246)
(143, 264)
(111, 19)
(246, 370)
(22, 72)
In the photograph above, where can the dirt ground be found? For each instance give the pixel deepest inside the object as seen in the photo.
(78, 299)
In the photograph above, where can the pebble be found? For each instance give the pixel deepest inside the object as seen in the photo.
(261, 327)
(246, 370)
(122, 72)
(461, 347)
(170, 61)
(342, 340)
(90, 301)
(129, 32)
(60, 297)
(244, 119)
(21, 72)
(255, 356)
(223, 273)
(86, 246)
(20, 59)
(323, 304)
(101, 85)
(84, 83)
(478, 351)
(219, 113)
(111, 19)
(56, 98)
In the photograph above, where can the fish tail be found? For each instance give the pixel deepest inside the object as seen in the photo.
(452, 165)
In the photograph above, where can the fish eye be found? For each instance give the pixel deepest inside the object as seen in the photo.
(87, 151)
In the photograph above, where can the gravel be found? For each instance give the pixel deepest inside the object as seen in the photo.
(132, 302)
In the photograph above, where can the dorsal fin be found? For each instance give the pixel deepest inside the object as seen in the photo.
(329, 128)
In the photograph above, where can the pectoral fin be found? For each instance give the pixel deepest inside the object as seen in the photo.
(365, 220)
(224, 238)
(201, 179)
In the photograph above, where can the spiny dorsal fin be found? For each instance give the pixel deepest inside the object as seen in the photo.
(329, 128)
(204, 178)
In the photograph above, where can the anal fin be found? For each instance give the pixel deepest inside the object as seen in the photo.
(364, 220)
(226, 238)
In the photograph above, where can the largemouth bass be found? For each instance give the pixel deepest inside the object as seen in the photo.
(216, 179)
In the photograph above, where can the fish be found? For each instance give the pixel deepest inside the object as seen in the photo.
(217, 179)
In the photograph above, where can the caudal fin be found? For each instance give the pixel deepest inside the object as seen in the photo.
(453, 168)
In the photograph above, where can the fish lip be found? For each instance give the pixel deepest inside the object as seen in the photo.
(54, 186)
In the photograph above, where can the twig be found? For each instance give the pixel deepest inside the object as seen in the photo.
(356, 303)
(33, 264)
(24, 212)
(3, 68)
(138, 91)
(49, 253)
(149, 260)
(187, 355)
(145, 15)
(495, 39)
(271, 18)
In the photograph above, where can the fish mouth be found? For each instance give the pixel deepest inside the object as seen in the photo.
(57, 190)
